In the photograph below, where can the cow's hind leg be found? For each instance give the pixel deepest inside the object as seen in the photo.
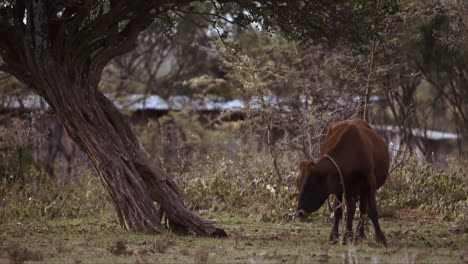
(350, 210)
(338, 214)
(372, 213)
(360, 229)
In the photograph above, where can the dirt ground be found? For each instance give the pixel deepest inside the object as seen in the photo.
(413, 237)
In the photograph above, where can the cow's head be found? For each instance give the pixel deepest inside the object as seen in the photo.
(312, 191)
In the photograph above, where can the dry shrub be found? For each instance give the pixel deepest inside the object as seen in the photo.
(419, 184)
(238, 177)
(17, 164)
(230, 167)
(27, 190)
(49, 199)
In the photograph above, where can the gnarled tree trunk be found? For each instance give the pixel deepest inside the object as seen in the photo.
(126, 171)
(59, 48)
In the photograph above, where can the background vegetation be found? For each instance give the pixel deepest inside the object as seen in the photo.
(416, 66)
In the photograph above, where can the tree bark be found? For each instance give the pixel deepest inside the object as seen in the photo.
(125, 169)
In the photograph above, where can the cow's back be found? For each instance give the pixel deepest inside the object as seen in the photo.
(358, 147)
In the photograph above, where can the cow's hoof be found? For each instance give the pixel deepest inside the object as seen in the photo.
(362, 234)
(380, 239)
(347, 238)
(361, 231)
(333, 237)
(358, 239)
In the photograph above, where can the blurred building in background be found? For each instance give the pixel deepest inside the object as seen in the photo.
(55, 151)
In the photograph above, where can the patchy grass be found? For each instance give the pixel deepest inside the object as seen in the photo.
(412, 238)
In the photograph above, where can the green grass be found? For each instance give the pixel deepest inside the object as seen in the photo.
(412, 239)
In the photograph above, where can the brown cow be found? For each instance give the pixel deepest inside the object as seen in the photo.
(353, 159)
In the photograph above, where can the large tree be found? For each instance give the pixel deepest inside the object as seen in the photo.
(60, 47)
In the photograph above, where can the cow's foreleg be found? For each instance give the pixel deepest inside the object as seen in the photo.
(363, 201)
(372, 213)
(350, 210)
(338, 214)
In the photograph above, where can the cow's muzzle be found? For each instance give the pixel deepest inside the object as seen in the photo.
(301, 213)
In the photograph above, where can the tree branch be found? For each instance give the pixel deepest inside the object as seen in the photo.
(10, 53)
(125, 42)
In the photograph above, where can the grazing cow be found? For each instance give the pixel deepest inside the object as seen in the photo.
(354, 160)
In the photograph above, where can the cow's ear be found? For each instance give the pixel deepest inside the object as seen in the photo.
(300, 181)
(303, 175)
(306, 163)
(311, 164)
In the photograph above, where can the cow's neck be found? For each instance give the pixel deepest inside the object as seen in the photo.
(333, 182)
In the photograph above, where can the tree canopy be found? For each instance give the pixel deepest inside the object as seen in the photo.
(94, 32)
